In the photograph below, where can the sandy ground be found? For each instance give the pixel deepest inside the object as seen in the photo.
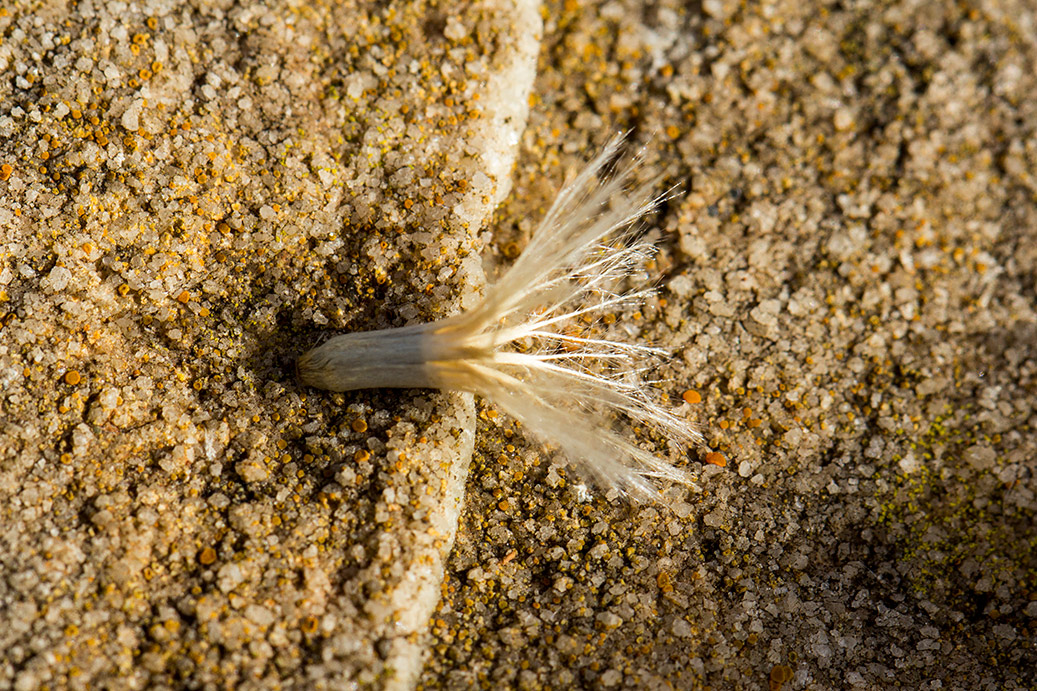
(189, 198)
(849, 287)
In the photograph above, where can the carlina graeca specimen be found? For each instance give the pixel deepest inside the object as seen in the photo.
(523, 347)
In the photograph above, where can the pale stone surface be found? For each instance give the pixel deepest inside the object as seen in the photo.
(190, 197)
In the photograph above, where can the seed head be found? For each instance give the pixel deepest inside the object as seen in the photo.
(525, 347)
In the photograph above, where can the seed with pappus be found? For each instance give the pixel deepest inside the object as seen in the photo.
(524, 346)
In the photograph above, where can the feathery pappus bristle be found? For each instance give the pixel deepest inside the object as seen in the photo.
(524, 346)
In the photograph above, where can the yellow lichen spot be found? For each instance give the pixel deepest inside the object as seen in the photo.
(779, 675)
(72, 378)
(207, 556)
(673, 132)
(5, 171)
(123, 290)
(692, 397)
(716, 458)
(361, 455)
(309, 625)
(663, 581)
(184, 297)
(359, 425)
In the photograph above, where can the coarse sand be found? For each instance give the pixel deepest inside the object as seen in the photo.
(848, 284)
(192, 195)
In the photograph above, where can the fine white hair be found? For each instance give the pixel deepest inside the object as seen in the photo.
(525, 347)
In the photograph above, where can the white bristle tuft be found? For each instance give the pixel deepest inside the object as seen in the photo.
(518, 347)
